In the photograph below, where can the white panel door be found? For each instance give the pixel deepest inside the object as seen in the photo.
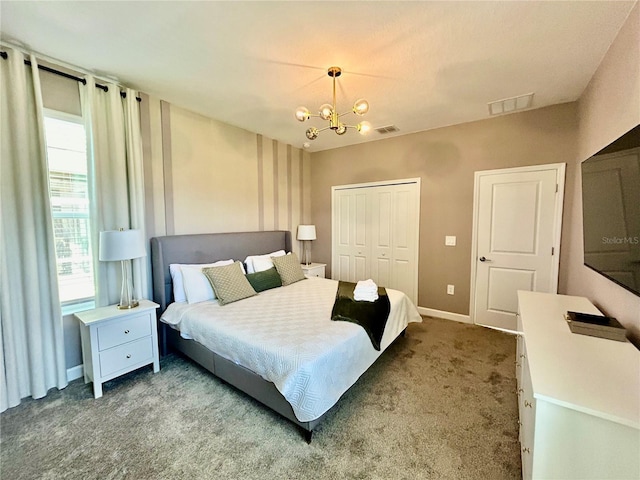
(382, 234)
(515, 241)
(351, 248)
(405, 263)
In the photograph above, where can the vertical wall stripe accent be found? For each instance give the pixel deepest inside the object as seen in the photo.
(276, 210)
(295, 192)
(289, 192)
(267, 184)
(302, 184)
(145, 133)
(165, 113)
(260, 183)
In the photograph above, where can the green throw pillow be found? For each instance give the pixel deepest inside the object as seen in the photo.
(261, 281)
(229, 283)
(289, 268)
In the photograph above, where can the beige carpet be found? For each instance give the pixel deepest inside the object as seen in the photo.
(439, 404)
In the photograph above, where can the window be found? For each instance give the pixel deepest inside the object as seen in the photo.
(68, 186)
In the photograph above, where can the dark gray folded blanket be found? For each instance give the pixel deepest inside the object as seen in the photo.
(372, 316)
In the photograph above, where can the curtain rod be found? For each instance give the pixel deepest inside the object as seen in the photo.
(67, 75)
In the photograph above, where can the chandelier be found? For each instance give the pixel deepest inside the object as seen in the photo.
(329, 112)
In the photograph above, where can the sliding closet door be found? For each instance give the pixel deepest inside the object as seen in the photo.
(381, 258)
(376, 234)
(352, 238)
(404, 275)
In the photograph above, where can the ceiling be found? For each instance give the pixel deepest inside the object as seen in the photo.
(420, 64)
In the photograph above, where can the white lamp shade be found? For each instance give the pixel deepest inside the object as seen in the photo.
(121, 245)
(306, 232)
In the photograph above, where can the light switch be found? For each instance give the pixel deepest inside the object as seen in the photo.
(450, 240)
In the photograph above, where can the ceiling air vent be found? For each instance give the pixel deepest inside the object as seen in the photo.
(511, 104)
(387, 129)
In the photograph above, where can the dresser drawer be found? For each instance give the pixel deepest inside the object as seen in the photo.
(126, 356)
(123, 331)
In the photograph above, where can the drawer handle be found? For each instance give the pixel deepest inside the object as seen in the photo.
(528, 404)
(519, 391)
(126, 332)
(128, 355)
(516, 364)
(522, 355)
(526, 450)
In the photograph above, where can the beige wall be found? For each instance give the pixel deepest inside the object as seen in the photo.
(609, 107)
(214, 175)
(59, 93)
(208, 176)
(445, 159)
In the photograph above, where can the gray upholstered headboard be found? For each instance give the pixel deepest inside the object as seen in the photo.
(206, 248)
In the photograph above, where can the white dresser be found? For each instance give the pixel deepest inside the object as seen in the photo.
(115, 342)
(579, 396)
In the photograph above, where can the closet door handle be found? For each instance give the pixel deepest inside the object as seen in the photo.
(484, 259)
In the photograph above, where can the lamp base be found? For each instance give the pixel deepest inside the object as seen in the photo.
(133, 304)
(126, 295)
(306, 253)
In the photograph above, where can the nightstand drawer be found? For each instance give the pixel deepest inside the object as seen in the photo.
(123, 331)
(125, 356)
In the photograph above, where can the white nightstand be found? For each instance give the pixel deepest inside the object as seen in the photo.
(314, 269)
(115, 342)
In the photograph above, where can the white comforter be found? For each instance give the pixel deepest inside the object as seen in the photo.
(286, 335)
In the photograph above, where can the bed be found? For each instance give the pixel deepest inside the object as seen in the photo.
(290, 356)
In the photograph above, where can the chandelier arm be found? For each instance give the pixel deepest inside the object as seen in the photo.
(323, 129)
(345, 113)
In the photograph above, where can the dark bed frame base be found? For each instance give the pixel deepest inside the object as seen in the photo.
(239, 377)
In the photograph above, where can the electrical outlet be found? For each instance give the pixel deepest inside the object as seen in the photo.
(450, 289)
(450, 240)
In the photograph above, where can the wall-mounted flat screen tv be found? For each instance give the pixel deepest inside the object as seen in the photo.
(611, 211)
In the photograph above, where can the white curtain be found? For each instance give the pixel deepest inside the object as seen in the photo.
(116, 180)
(32, 347)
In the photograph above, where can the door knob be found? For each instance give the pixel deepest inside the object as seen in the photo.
(483, 259)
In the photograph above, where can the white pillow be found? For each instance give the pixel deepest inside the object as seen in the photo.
(175, 269)
(197, 286)
(260, 263)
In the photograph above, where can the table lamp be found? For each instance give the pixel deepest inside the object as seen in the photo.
(306, 233)
(122, 245)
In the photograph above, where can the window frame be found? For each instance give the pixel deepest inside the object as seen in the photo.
(82, 303)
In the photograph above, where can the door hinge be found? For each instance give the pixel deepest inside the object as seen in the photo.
(553, 251)
(556, 188)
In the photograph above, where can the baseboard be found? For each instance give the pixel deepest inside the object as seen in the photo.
(456, 317)
(74, 373)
